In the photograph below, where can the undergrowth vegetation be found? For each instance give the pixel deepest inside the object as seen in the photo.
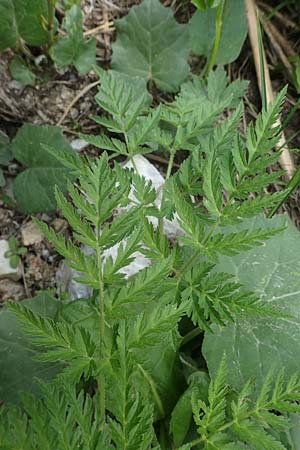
(190, 338)
(126, 381)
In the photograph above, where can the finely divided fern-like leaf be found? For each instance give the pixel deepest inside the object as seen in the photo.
(61, 341)
(211, 416)
(265, 135)
(125, 255)
(234, 243)
(132, 428)
(156, 245)
(216, 298)
(212, 184)
(152, 328)
(250, 420)
(152, 282)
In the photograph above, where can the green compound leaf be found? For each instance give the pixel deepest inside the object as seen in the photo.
(34, 188)
(148, 39)
(20, 72)
(18, 369)
(22, 19)
(254, 346)
(73, 49)
(234, 31)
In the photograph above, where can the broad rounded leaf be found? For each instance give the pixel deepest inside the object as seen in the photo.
(152, 45)
(27, 146)
(20, 72)
(234, 31)
(34, 188)
(29, 15)
(8, 30)
(18, 369)
(253, 346)
(22, 18)
(73, 49)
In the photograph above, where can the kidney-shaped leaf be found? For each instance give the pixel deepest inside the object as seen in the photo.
(152, 45)
(254, 346)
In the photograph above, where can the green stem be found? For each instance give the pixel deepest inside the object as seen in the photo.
(211, 231)
(219, 25)
(156, 396)
(168, 174)
(197, 252)
(170, 164)
(190, 336)
(189, 262)
(101, 328)
(128, 150)
(163, 436)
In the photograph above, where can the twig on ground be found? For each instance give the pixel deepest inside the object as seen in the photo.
(75, 100)
(105, 27)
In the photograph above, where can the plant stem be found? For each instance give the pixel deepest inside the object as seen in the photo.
(101, 328)
(168, 174)
(128, 150)
(189, 261)
(156, 396)
(170, 164)
(163, 436)
(197, 252)
(219, 25)
(190, 335)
